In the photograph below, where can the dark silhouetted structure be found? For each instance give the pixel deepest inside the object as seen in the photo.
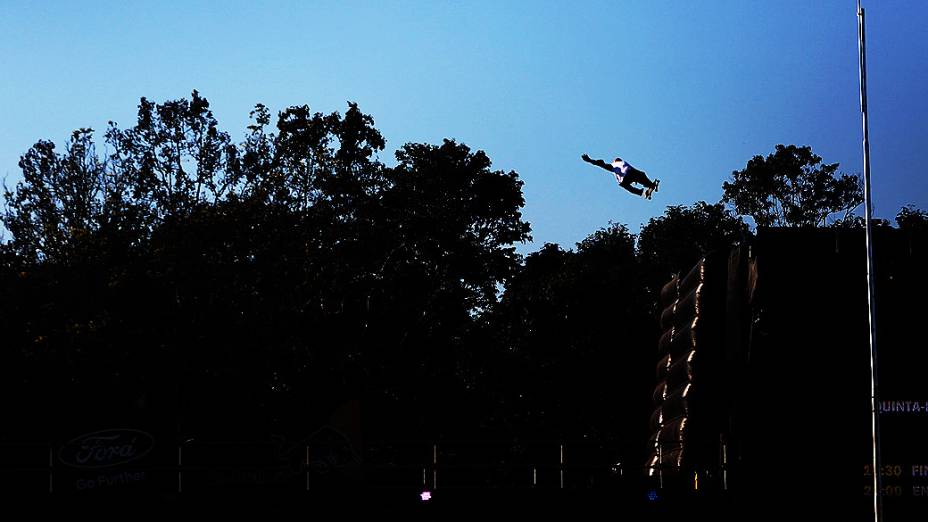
(763, 391)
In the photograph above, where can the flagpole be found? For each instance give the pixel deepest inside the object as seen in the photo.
(871, 304)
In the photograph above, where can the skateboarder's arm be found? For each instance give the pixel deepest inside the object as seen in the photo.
(598, 162)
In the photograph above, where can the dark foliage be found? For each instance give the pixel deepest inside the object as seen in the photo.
(792, 187)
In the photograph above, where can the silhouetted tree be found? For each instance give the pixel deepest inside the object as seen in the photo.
(575, 342)
(457, 217)
(61, 201)
(237, 289)
(792, 187)
(911, 217)
(674, 242)
(854, 221)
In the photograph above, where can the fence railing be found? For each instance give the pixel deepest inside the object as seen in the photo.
(203, 466)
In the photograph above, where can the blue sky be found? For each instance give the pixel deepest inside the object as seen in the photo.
(687, 91)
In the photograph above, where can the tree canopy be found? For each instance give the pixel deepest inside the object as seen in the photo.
(911, 217)
(258, 280)
(674, 242)
(792, 187)
(196, 285)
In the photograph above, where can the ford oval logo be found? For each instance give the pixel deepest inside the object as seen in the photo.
(102, 449)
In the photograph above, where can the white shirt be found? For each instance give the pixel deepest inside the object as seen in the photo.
(620, 169)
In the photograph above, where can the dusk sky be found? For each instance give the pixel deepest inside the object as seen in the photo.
(686, 91)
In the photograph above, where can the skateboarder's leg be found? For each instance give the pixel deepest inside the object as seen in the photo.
(640, 177)
(627, 185)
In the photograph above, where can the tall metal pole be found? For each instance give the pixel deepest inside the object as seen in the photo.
(871, 304)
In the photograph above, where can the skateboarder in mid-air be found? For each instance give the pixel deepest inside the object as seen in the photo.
(625, 174)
